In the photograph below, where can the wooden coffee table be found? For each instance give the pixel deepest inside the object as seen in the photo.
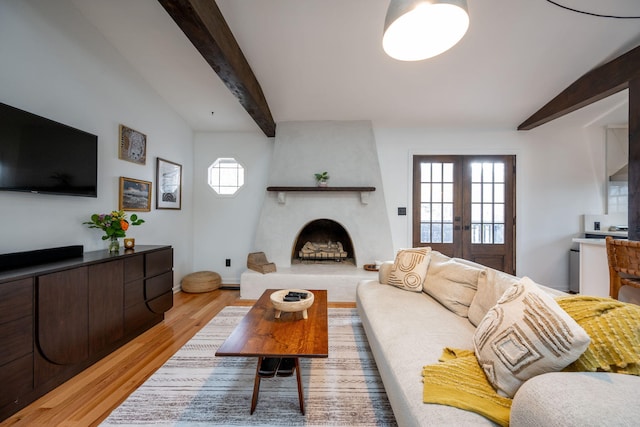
(261, 335)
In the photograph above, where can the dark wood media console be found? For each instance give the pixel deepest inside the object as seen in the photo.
(59, 318)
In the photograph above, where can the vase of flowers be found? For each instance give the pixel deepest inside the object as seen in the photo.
(114, 225)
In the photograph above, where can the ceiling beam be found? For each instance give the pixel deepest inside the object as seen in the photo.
(203, 24)
(597, 84)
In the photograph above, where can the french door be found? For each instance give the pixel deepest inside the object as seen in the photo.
(464, 206)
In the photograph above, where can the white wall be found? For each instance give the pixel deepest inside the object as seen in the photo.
(226, 225)
(55, 64)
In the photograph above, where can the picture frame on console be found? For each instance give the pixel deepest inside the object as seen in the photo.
(135, 195)
(132, 145)
(168, 184)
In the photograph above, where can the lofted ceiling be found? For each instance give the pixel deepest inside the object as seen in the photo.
(323, 60)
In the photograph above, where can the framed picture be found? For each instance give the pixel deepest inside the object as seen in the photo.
(168, 185)
(133, 146)
(135, 195)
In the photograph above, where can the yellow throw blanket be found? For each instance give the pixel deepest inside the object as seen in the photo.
(614, 328)
(460, 382)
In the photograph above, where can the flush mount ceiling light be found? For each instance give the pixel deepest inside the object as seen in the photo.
(419, 29)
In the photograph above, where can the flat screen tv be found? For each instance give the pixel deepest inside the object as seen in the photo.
(39, 155)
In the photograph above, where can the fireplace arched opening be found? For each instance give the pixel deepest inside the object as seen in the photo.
(323, 241)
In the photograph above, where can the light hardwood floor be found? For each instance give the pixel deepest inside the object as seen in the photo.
(89, 397)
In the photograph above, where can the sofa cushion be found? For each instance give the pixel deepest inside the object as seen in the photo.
(491, 286)
(524, 335)
(409, 269)
(452, 283)
(614, 328)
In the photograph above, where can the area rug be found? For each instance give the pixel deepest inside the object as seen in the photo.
(195, 388)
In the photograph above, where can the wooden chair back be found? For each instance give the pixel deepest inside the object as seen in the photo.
(624, 264)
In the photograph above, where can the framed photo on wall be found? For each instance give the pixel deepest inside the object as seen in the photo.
(168, 184)
(132, 145)
(135, 195)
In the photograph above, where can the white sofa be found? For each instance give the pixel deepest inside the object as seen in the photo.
(408, 330)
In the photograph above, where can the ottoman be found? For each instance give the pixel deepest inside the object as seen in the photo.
(201, 281)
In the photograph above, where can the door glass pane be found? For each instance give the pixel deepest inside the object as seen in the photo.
(487, 213)
(498, 213)
(447, 233)
(498, 195)
(487, 233)
(425, 192)
(476, 212)
(436, 233)
(487, 193)
(436, 175)
(447, 172)
(447, 212)
(425, 232)
(425, 171)
(436, 213)
(447, 193)
(425, 212)
(498, 234)
(498, 171)
(487, 172)
(476, 193)
(436, 193)
(475, 234)
(476, 172)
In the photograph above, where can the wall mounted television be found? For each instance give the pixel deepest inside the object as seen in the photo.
(39, 155)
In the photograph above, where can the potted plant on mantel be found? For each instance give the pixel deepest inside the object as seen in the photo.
(322, 178)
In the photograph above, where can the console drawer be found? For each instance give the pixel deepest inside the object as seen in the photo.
(158, 285)
(158, 262)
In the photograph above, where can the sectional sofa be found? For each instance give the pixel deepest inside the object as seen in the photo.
(408, 326)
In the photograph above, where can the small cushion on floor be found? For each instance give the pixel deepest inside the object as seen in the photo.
(201, 281)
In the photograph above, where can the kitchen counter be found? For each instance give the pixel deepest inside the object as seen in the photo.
(598, 242)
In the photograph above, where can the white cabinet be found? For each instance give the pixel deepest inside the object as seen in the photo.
(594, 267)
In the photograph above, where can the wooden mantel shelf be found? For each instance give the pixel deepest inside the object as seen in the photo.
(357, 189)
(364, 191)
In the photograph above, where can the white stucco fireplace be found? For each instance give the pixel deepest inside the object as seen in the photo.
(354, 201)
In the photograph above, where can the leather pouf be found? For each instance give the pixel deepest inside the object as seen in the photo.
(201, 281)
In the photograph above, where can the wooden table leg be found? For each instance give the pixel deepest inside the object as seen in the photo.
(300, 392)
(256, 387)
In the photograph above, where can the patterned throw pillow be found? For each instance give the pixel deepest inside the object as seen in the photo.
(524, 335)
(410, 268)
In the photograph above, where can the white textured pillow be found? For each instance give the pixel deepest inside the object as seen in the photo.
(452, 283)
(409, 269)
(491, 286)
(524, 335)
